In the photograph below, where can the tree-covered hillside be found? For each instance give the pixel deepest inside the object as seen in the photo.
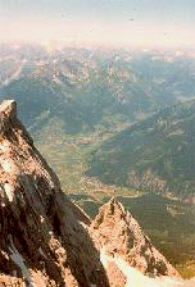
(156, 154)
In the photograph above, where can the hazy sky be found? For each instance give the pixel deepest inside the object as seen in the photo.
(109, 22)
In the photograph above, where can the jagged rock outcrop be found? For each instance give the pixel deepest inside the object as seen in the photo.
(43, 238)
(117, 234)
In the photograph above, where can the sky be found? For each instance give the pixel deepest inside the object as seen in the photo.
(99, 22)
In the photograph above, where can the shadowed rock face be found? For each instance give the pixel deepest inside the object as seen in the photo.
(43, 237)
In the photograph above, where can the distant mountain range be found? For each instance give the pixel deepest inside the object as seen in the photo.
(88, 89)
(137, 103)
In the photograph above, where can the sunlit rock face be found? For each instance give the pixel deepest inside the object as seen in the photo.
(6, 280)
(43, 239)
(123, 243)
(127, 254)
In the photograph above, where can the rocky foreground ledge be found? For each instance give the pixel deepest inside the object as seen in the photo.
(46, 240)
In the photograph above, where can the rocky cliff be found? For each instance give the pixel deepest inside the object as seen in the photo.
(46, 240)
(43, 237)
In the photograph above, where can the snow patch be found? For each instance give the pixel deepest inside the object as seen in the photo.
(6, 165)
(83, 224)
(20, 262)
(9, 190)
(136, 278)
(42, 219)
(50, 233)
(104, 258)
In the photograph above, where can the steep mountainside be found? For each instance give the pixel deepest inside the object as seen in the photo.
(43, 239)
(46, 240)
(156, 154)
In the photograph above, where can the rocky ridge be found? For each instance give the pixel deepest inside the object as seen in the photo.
(118, 235)
(43, 239)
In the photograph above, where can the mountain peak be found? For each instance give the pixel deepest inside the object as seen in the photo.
(7, 114)
(115, 207)
(113, 211)
(8, 107)
(117, 232)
